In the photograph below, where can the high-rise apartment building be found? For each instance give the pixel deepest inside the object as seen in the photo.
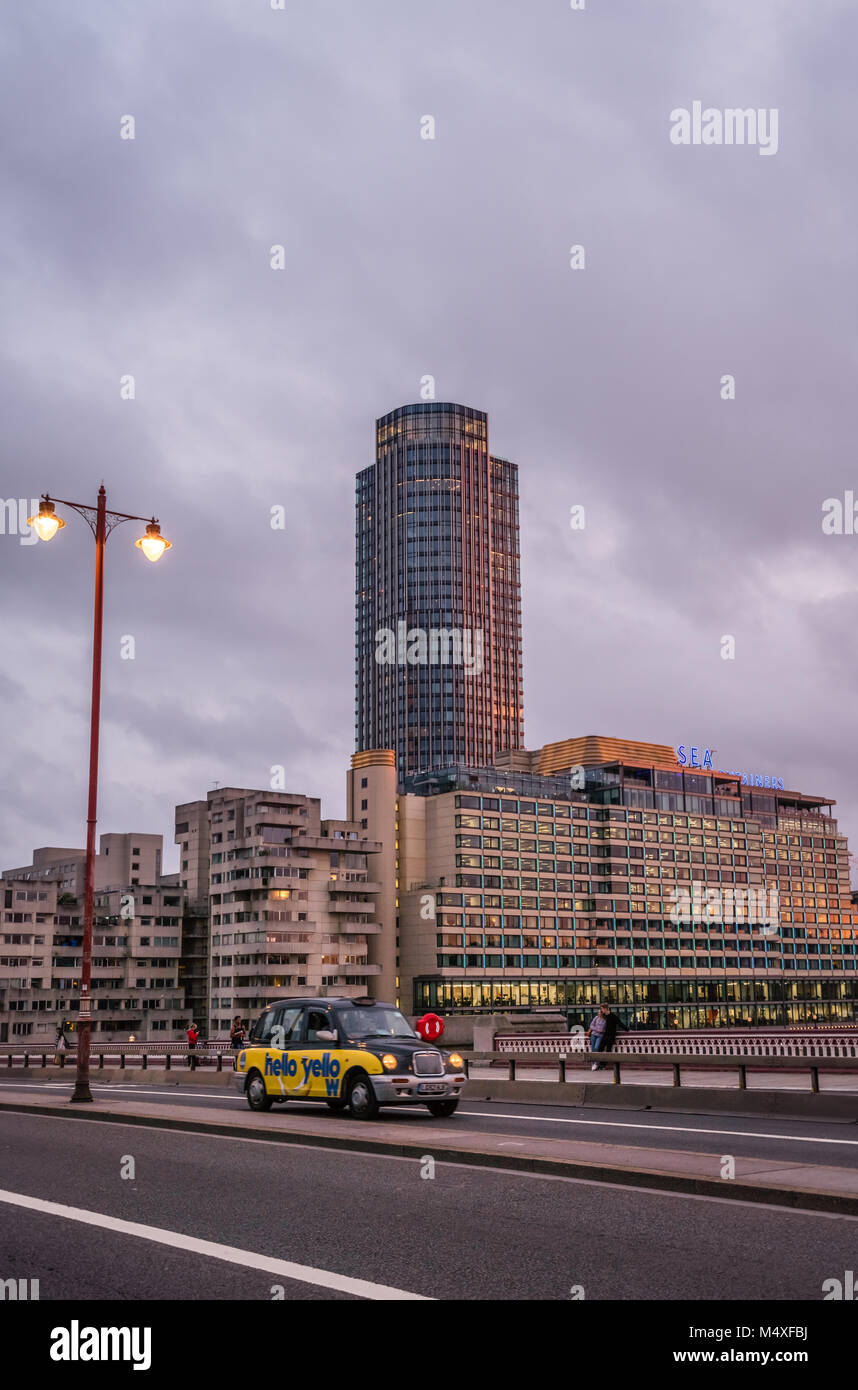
(438, 594)
(288, 900)
(136, 943)
(122, 860)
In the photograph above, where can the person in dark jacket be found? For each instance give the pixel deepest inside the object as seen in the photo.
(612, 1027)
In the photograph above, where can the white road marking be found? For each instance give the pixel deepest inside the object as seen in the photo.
(669, 1129)
(285, 1269)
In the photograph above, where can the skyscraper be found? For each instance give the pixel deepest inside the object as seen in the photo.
(438, 592)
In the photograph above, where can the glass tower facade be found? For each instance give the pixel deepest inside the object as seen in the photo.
(438, 663)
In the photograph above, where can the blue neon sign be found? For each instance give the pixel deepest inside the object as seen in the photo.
(756, 779)
(690, 757)
(693, 760)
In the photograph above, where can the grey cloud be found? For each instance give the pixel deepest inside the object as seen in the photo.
(406, 257)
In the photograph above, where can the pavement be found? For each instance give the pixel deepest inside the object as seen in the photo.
(823, 1138)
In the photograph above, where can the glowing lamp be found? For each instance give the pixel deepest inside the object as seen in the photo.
(47, 523)
(153, 543)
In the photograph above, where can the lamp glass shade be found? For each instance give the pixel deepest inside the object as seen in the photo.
(153, 543)
(46, 524)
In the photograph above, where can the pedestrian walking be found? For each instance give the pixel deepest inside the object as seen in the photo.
(193, 1039)
(237, 1033)
(596, 1033)
(60, 1044)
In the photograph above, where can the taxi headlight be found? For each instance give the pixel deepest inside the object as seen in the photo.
(455, 1061)
(389, 1061)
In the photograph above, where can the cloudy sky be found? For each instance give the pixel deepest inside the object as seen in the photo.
(405, 257)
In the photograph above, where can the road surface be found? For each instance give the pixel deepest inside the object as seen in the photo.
(345, 1225)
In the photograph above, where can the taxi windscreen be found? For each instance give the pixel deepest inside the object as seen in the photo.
(375, 1022)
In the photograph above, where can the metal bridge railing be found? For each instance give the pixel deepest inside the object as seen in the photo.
(714, 1044)
(682, 1066)
(121, 1056)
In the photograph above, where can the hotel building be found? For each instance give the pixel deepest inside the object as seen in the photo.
(556, 878)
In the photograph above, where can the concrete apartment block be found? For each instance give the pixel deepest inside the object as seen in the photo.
(290, 898)
(136, 944)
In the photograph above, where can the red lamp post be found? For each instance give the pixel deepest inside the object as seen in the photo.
(153, 545)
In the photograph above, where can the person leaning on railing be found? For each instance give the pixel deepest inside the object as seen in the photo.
(612, 1027)
(603, 1031)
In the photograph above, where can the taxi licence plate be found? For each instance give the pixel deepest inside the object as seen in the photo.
(431, 1088)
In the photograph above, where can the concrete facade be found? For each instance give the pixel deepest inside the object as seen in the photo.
(127, 859)
(136, 944)
(370, 802)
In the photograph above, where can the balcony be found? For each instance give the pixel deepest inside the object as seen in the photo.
(327, 842)
(262, 973)
(270, 931)
(10, 991)
(260, 958)
(353, 907)
(276, 816)
(266, 990)
(363, 928)
(245, 880)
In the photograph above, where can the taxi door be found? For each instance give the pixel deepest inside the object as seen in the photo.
(280, 1038)
(320, 1061)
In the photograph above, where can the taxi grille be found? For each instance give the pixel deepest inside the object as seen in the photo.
(428, 1064)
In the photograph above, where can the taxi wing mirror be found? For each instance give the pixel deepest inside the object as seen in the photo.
(325, 1035)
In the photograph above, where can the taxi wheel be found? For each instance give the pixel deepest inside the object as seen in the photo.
(442, 1109)
(257, 1098)
(362, 1102)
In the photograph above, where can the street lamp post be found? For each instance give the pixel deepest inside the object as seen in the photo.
(153, 545)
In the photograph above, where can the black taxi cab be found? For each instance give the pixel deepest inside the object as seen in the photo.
(353, 1055)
